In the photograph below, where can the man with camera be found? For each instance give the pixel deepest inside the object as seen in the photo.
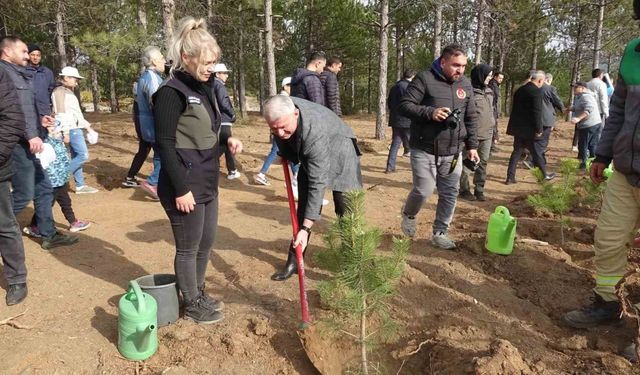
(440, 103)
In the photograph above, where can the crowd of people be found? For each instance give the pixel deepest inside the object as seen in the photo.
(446, 123)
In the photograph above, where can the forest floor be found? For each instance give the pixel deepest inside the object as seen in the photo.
(473, 312)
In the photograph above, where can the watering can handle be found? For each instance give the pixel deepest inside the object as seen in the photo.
(142, 305)
(502, 210)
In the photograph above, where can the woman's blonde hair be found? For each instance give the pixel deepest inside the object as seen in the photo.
(192, 38)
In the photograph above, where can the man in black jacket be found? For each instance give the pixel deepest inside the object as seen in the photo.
(526, 125)
(551, 103)
(494, 85)
(443, 119)
(329, 79)
(399, 124)
(227, 115)
(30, 182)
(305, 82)
(11, 246)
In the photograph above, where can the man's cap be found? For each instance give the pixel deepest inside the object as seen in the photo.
(33, 47)
(579, 84)
(69, 71)
(286, 81)
(221, 68)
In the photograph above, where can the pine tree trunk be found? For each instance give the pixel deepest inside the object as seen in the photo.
(142, 14)
(479, 31)
(261, 70)
(399, 52)
(242, 100)
(534, 53)
(168, 11)
(95, 89)
(363, 335)
(437, 30)
(210, 9)
(60, 43)
(369, 83)
(353, 88)
(492, 45)
(268, 38)
(598, 42)
(112, 88)
(381, 115)
(577, 52)
(456, 22)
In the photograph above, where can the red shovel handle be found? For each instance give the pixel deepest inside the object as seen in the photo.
(304, 303)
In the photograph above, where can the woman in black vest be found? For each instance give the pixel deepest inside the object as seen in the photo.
(188, 135)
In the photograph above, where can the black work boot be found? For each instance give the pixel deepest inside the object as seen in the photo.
(480, 196)
(58, 239)
(16, 294)
(201, 312)
(289, 269)
(466, 195)
(212, 302)
(599, 312)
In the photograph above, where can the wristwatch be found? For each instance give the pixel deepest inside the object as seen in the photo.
(306, 229)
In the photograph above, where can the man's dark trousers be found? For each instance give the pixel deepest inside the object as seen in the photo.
(11, 246)
(519, 145)
(30, 183)
(541, 145)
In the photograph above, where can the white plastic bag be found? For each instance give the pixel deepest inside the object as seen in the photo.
(92, 136)
(47, 156)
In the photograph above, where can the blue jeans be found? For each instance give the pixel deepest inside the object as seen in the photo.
(399, 136)
(30, 183)
(155, 174)
(79, 155)
(587, 141)
(271, 157)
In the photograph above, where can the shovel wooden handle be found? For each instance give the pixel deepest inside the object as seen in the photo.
(304, 303)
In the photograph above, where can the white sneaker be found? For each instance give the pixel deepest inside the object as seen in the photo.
(441, 240)
(574, 149)
(408, 224)
(262, 179)
(86, 189)
(233, 175)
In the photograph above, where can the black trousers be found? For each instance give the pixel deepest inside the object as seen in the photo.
(340, 204)
(143, 147)
(194, 234)
(519, 146)
(542, 143)
(61, 195)
(11, 246)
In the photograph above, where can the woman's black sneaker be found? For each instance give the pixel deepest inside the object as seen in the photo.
(201, 312)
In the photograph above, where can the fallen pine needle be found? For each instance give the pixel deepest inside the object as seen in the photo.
(9, 321)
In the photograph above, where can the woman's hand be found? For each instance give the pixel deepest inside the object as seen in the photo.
(234, 145)
(186, 203)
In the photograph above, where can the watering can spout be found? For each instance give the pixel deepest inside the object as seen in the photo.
(144, 334)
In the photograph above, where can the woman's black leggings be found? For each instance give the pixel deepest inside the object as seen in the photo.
(143, 147)
(194, 235)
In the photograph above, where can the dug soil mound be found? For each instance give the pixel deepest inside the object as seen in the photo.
(461, 312)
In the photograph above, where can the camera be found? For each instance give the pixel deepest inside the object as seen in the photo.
(470, 164)
(453, 120)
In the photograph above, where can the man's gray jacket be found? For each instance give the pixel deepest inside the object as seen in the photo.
(327, 151)
(550, 103)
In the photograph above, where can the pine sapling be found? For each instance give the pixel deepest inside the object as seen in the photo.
(559, 197)
(362, 280)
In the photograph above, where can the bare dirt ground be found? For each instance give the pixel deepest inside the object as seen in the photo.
(472, 311)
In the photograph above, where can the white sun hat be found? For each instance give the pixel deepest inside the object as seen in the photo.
(221, 68)
(286, 81)
(70, 71)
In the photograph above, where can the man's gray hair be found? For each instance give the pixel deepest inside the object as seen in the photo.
(149, 54)
(278, 106)
(537, 74)
(548, 77)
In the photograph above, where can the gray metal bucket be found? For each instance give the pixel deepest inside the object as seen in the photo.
(163, 288)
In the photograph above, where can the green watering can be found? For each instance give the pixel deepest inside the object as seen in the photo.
(608, 171)
(501, 231)
(137, 324)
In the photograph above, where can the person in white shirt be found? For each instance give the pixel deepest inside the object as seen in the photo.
(67, 110)
(599, 89)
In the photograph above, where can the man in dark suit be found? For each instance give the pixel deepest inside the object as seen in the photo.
(526, 125)
(551, 103)
(399, 123)
(326, 148)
